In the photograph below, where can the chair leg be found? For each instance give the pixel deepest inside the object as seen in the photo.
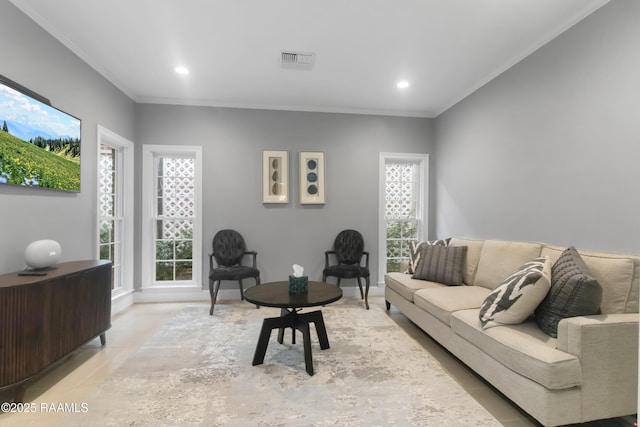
(211, 293)
(360, 286)
(338, 284)
(257, 283)
(214, 296)
(241, 290)
(366, 293)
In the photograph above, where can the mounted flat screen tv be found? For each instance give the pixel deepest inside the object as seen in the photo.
(39, 144)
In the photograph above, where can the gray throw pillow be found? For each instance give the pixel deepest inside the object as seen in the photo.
(414, 252)
(442, 264)
(574, 292)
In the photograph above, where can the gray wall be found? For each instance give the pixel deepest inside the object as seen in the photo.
(550, 150)
(232, 141)
(32, 58)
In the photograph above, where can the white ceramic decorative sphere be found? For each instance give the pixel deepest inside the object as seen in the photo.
(42, 254)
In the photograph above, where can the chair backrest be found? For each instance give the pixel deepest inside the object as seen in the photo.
(228, 248)
(349, 246)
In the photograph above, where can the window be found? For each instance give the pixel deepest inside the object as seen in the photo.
(115, 207)
(171, 237)
(403, 206)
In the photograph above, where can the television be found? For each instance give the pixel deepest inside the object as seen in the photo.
(39, 144)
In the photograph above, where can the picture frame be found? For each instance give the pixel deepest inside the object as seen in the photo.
(312, 178)
(275, 176)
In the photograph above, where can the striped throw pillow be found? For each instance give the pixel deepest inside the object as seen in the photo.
(442, 264)
(414, 251)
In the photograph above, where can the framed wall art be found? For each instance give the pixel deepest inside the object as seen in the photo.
(312, 178)
(275, 176)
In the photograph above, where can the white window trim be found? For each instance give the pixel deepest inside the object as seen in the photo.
(126, 186)
(423, 203)
(149, 152)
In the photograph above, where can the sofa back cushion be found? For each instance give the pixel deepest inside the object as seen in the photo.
(500, 258)
(474, 247)
(617, 274)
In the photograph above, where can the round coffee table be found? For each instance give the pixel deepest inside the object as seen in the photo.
(276, 294)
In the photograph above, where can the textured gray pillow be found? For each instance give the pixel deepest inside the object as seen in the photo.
(442, 264)
(574, 292)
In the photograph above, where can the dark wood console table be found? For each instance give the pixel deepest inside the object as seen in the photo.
(45, 318)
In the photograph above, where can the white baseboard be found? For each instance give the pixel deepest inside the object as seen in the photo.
(148, 295)
(171, 294)
(121, 302)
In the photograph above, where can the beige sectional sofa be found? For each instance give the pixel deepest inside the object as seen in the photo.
(589, 372)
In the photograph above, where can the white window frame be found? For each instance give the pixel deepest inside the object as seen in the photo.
(422, 204)
(124, 193)
(149, 153)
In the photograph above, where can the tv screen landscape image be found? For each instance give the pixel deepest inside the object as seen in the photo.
(39, 144)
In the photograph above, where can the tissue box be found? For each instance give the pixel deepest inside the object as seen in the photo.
(298, 285)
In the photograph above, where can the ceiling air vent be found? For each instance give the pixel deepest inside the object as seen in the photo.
(291, 59)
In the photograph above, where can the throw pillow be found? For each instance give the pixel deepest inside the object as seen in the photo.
(442, 264)
(574, 292)
(518, 295)
(414, 252)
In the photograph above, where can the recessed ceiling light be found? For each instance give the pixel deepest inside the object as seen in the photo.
(182, 70)
(402, 84)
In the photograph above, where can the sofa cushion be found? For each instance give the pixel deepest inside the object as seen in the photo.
(522, 348)
(519, 294)
(442, 264)
(404, 285)
(474, 247)
(441, 302)
(614, 272)
(414, 252)
(499, 258)
(574, 292)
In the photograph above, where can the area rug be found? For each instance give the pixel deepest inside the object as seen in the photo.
(196, 371)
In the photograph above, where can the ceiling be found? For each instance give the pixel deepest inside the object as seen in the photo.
(445, 49)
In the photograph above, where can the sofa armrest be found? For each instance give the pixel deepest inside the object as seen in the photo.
(584, 333)
(607, 346)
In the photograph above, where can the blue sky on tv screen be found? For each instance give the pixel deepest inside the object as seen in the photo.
(27, 118)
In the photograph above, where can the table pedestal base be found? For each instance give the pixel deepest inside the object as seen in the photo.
(294, 320)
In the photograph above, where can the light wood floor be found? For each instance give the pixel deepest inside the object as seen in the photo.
(80, 375)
